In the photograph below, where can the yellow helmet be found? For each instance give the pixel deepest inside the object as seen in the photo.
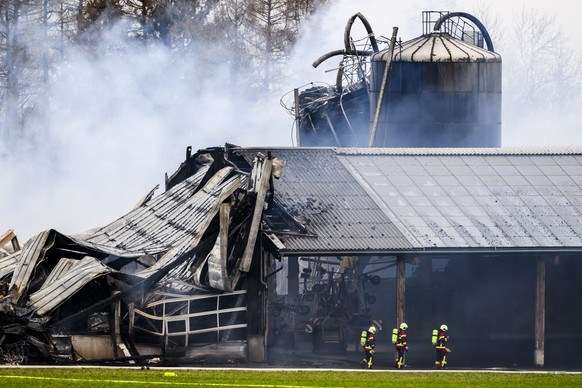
(372, 329)
(444, 327)
(403, 326)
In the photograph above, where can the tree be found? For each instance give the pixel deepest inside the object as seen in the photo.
(272, 27)
(251, 37)
(21, 69)
(539, 67)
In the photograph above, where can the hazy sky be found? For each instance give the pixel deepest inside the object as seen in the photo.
(119, 126)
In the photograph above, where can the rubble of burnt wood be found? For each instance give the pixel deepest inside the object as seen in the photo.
(160, 281)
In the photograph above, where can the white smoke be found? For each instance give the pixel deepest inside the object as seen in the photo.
(118, 123)
(119, 120)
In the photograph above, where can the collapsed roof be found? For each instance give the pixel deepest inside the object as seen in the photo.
(197, 237)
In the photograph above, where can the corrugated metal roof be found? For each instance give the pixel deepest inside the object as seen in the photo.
(8, 264)
(31, 255)
(438, 47)
(68, 277)
(512, 151)
(154, 227)
(322, 195)
(169, 225)
(405, 199)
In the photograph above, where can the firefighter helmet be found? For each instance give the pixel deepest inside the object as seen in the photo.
(444, 327)
(403, 326)
(372, 329)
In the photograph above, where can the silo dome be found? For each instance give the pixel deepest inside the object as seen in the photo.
(440, 92)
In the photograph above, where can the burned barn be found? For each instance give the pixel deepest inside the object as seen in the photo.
(282, 255)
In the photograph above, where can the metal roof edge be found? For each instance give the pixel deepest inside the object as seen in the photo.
(419, 151)
(551, 150)
(283, 148)
(416, 251)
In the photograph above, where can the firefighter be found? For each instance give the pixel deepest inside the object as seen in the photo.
(401, 345)
(440, 342)
(369, 346)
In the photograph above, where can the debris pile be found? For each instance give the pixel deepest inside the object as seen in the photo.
(157, 281)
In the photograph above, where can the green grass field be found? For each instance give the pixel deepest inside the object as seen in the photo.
(114, 377)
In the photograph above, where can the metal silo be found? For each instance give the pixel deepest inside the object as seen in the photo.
(440, 91)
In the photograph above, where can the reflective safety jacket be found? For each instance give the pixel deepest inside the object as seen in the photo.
(442, 340)
(370, 342)
(401, 340)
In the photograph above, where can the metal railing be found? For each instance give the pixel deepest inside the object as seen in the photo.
(179, 319)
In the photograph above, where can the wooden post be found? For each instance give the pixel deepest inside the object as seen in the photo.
(293, 276)
(540, 313)
(260, 187)
(115, 327)
(400, 290)
(9, 236)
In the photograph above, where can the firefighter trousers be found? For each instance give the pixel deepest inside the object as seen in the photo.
(400, 351)
(441, 358)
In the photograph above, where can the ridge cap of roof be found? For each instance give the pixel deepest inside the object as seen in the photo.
(508, 151)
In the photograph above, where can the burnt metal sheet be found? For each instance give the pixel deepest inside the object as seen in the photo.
(169, 225)
(8, 264)
(200, 209)
(68, 277)
(31, 254)
(151, 228)
(167, 235)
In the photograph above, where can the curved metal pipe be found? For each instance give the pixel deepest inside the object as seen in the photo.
(348, 30)
(340, 52)
(442, 19)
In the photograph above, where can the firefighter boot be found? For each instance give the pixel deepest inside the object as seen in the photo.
(437, 364)
(399, 362)
(363, 363)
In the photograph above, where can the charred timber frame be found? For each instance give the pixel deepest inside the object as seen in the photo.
(9, 236)
(260, 181)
